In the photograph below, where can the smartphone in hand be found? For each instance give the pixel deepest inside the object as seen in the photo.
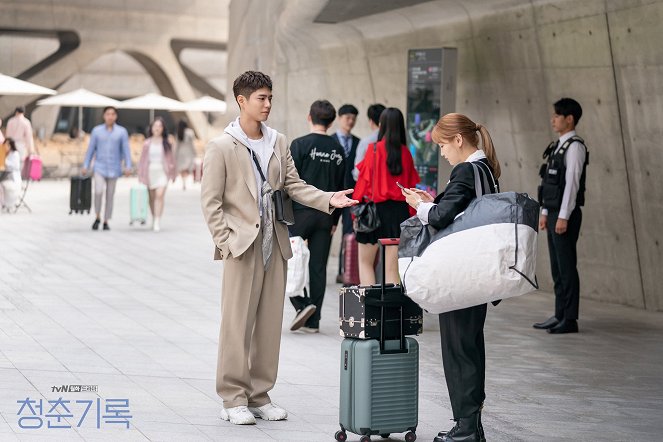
(400, 185)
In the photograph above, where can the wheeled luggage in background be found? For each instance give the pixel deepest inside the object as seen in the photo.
(80, 194)
(380, 377)
(32, 168)
(350, 260)
(138, 203)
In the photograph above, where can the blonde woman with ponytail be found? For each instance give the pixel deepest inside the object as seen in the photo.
(461, 331)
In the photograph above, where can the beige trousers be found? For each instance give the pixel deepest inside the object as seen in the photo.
(251, 320)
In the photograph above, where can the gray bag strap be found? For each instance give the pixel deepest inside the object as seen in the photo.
(477, 180)
(481, 177)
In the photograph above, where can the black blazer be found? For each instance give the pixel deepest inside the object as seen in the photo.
(349, 181)
(458, 194)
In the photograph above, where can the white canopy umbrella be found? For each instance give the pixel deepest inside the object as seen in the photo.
(79, 98)
(206, 104)
(14, 86)
(152, 102)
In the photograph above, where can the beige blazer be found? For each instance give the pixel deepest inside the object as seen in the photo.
(229, 194)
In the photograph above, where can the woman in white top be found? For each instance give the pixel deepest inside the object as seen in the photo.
(155, 167)
(185, 152)
(11, 182)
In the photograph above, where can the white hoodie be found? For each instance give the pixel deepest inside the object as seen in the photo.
(269, 135)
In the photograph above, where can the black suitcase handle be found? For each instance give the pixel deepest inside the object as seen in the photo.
(384, 242)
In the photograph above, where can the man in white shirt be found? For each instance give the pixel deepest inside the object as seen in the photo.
(561, 195)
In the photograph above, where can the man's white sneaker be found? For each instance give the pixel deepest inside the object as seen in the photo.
(269, 412)
(309, 330)
(238, 415)
(302, 316)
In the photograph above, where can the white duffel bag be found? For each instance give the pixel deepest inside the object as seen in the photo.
(488, 253)
(297, 278)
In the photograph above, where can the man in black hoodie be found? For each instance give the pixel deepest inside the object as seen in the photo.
(320, 161)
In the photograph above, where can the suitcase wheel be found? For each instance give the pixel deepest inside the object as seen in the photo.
(341, 436)
(365, 439)
(410, 436)
(142, 223)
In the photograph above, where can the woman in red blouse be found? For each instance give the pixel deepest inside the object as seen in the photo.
(386, 162)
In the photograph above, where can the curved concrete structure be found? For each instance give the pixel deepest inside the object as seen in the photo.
(514, 60)
(145, 30)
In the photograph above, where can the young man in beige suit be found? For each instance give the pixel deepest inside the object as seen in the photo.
(241, 170)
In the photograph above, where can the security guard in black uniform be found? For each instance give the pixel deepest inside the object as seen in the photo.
(561, 194)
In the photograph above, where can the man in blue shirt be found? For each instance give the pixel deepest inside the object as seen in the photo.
(109, 145)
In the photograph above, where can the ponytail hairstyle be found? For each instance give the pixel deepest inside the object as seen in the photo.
(452, 124)
(392, 130)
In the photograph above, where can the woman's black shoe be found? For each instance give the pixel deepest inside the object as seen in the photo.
(95, 225)
(467, 429)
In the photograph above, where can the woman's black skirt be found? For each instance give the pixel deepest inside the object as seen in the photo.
(392, 214)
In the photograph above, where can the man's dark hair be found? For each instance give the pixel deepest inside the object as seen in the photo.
(569, 106)
(249, 82)
(109, 107)
(374, 112)
(322, 112)
(347, 109)
(20, 110)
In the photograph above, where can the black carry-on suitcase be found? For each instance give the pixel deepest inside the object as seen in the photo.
(80, 195)
(359, 308)
(380, 379)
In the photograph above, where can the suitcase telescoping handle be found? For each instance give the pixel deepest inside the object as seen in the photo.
(384, 243)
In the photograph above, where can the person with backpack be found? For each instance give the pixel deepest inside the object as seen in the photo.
(461, 331)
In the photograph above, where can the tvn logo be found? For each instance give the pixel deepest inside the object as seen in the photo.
(74, 388)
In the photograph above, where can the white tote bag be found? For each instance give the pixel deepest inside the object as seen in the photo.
(488, 253)
(298, 278)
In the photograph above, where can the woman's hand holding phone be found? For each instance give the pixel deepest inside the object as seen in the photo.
(425, 196)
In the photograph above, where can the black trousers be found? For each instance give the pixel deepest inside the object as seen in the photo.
(464, 358)
(564, 264)
(315, 227)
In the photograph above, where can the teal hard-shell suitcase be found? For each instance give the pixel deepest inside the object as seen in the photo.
(379, 390)
(138, 202)
(380, 379)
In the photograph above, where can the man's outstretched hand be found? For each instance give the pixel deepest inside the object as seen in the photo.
(340, 199)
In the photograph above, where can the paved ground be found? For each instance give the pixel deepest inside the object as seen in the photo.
(137, 314)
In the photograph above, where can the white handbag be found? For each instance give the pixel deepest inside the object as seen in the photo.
(488, 253)
(297, 280)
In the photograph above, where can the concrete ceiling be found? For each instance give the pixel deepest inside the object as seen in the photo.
(337, 11)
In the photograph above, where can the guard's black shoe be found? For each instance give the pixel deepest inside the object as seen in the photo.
(467, 429)
(95, 225)
(565, 326)
(106, 226)
(549, 323)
